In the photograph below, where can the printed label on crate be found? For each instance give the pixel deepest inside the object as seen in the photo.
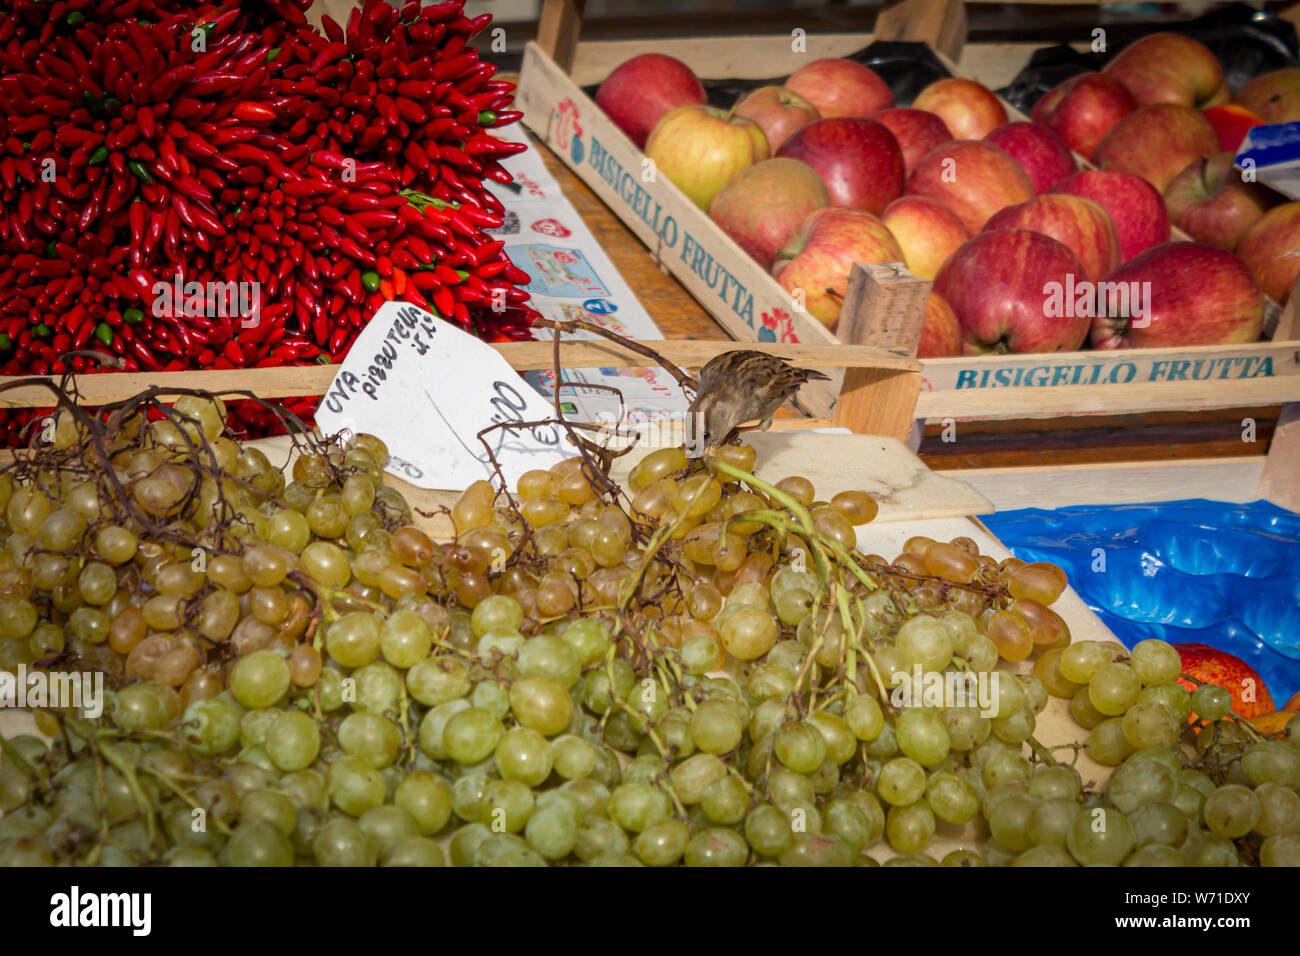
(428, 390)
(1112, 368)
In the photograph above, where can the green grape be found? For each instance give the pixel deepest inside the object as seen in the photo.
(1281, 850)
(470, 735)
(373, 738)
(1045, 855)
(699, 655)
(922, 736)
(1155, 854)
(1150, 724)
(818, 849)
(353, 640)
(343, 843)
(1158, 823)
(524, 755)
(716, 847)
(1049, 823)
(725, 801)
(405, 639)
(1232, 811)
(465, 843)
(146, 706)
(663, 843)
(426, 798)
(541, 704)
(884, 745)
(551, 657)
(436, 680)
(507, 806)
(1009, 821)
(1082, 659)
(552, 832)
(1271, 761)
(800, 747)
(966, 728)
(1139, 782)
(573, 757)
(847, 821)
(963, 858)
(952, 798)
(901, 782)
(1049, 783)
(1211, 702)
(589, 638)
(414, 851)
(1217, 851)
(864, 717)
(717, 728)
(599, 836)
(1279, 810)
(1155, 661)
(1172, 695)
(1113, 689)
(258, 843)
(1005, 766)
(635, 806)
(1100, 835)
(909, 828)
(692, 775)
(211, 726)
(1015, 729)
(292, 741)
(355, 786)
(498, 611)
(767, 829)
(1107, 744)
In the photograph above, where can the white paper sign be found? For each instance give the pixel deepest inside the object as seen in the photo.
(427, 389)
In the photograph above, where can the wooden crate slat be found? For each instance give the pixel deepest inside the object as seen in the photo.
(523, 356)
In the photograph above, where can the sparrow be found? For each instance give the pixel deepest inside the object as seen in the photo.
(743, 386)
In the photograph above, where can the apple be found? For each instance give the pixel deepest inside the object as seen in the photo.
(972, 178)
(1156, 142)
(1250, 696)
(1169, 68)
(941, 332)
(1232, 123)
(700, 147)
(840, 88)
(777, 111)
(1209, 201)
(1271, 250)
(762, 205)
(1275, 96)
(641, 90)
(1040, 152)
(917, 132)
(858, 159)
(1179, 293)
(970, 110)
(927, 231)
(998, 284)
(1082, 109)
(1132, 203)
(820, 255)
(1079, 223)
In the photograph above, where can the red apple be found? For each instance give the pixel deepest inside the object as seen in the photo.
(1209, 201)
(762, 205)
(1232, 123)
(970, 110)
(858, 159)
(1039, 151)
(972, 178)
(927, 231)
(1179, 293)
(1271, 250)
(1250, 696)
(641, 90)
(821, 253)
(1275, 97)
(1156, 143)
(1169, 68)
(998, 284)
(1133, 204)
(700, 147)
(840, 88)
(778, 112)
(941, 333)
(1079, 223)
(917, 132)
(1082, 109)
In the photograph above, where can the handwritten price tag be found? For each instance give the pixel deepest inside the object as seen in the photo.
(428, 389)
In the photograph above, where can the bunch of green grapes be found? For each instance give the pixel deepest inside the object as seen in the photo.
(707, 673)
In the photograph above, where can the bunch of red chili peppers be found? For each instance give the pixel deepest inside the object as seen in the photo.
(150, 141)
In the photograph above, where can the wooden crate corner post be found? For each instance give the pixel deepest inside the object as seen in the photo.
(884, 306)
(558, 29)
(940, 23)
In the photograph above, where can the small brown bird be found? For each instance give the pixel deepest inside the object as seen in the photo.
(743, 386)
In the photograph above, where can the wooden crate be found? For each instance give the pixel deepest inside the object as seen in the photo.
(881, 308)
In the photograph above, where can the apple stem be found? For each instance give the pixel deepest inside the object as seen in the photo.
(732, 112)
